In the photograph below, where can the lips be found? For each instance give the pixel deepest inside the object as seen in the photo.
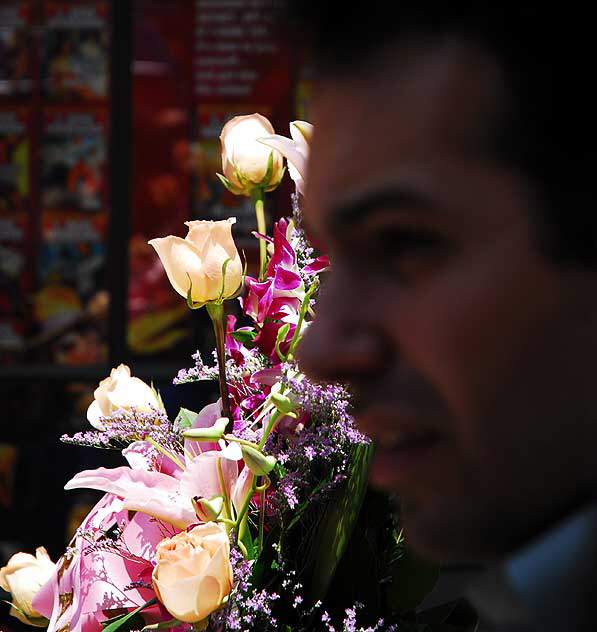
(407, 448)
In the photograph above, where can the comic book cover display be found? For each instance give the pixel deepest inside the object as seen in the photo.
(16, 71)
(15, 152)
(75, 51)
(73, 156)
(13, 279)
(70, 281)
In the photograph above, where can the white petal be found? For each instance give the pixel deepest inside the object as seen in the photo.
(287, 148)
(94, 412)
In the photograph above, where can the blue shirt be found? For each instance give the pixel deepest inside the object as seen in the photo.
(550, 585)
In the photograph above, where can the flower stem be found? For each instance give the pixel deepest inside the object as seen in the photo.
(303, 310)
(165, 452)
(234, 439)
(261, 518)
(273, 422)
(257, 196)
(216, 313)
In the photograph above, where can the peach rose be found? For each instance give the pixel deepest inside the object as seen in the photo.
(245, 162)
(22, 577)
(193, 574)
(195, 263)
(120, 391)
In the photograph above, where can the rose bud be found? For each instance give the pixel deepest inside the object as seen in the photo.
(120, 391)
(246, 163)
(204, 266)
(22, 577)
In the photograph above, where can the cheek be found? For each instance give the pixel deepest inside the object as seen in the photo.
(472, 330)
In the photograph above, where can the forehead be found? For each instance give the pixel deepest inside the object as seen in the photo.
(416, 108)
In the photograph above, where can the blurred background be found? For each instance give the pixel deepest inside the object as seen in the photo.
(110, 113)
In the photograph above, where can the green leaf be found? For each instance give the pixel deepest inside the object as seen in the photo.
(411, 580)
(164, 625)
(40, 622)
(336, 526)
(303, 507)
(119, 622)
(190, 303)
(455, 616)
(244, 336)
(266, 559)
(265, 182)
(223, 288)
(185, 418)
(248, 542)
(228, 184)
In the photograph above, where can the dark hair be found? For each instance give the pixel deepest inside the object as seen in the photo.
(547, 56)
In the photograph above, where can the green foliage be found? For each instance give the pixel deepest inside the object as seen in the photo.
(244, 336)
(338, 519)
(409, 581)
(131, 621)
(185, 418)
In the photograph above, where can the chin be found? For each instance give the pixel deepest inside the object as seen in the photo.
(444, 534)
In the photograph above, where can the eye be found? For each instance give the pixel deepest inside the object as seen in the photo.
(409, 253)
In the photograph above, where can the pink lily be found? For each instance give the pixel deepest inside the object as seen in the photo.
(87, 584)
(161, 495)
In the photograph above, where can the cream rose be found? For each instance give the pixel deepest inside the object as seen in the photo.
(120, 391)
(196, 262)
(244, 160)
(193, 574)
(22, 577)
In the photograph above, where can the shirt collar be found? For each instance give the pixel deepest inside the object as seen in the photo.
(551, 582)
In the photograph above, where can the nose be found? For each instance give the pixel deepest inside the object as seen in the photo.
(343, 343)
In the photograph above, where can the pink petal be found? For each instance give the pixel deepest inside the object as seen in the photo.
(206, 418)
(153, 493)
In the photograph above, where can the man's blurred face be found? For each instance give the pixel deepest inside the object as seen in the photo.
(468, 351)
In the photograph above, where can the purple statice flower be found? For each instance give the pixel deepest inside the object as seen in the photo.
(124, 427)
(326, 403)
(349, 623)
(198, 372)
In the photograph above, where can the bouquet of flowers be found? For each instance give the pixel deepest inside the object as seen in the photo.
(253, 513)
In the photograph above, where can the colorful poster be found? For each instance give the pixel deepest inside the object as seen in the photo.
(13, 281)
(73, 159)
(68, 303)
(16, 58)
(72, 253)
(75, 51)
(15, 151)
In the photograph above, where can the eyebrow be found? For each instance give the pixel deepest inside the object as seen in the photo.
(357, 210)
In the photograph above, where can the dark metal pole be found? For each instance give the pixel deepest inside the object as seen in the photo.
(119, 174)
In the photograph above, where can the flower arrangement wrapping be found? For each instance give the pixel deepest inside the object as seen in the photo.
(253, 513)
